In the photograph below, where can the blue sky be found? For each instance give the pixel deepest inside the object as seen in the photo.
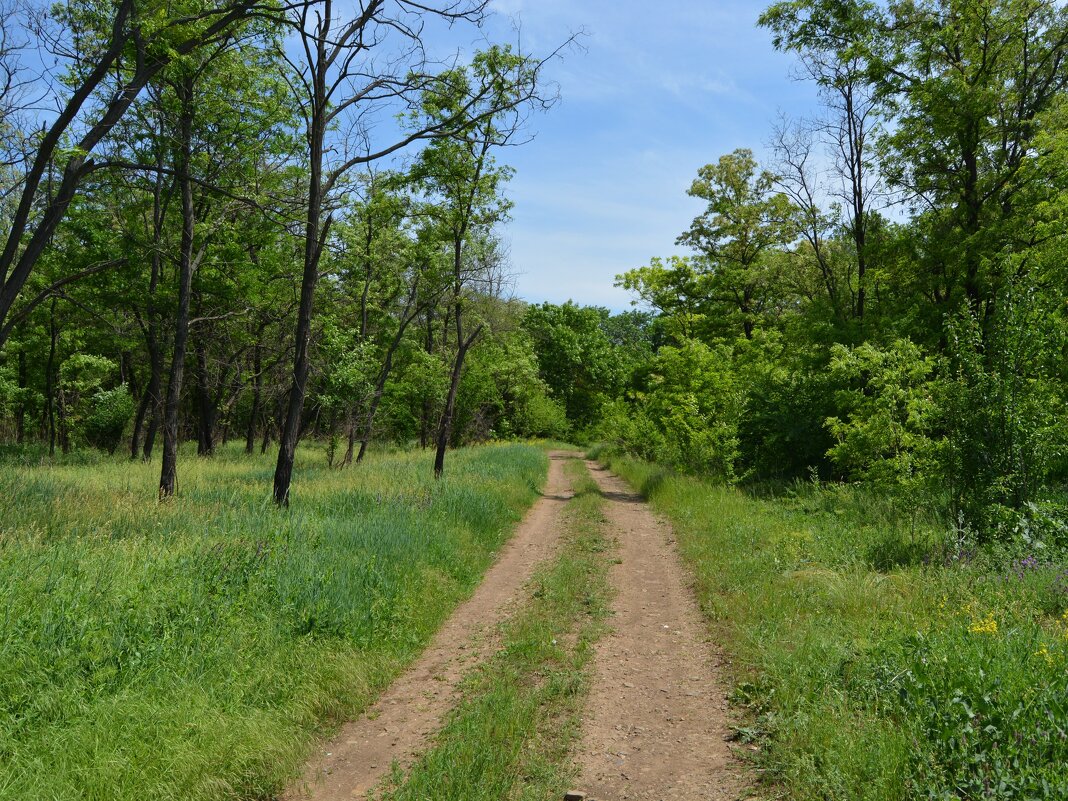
(660, 90)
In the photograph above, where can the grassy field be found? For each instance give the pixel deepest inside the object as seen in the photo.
(877, 661)
(191, 649)
(510, 736)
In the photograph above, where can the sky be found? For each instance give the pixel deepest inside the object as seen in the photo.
(656, 91)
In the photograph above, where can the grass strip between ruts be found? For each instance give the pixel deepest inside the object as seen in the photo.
(510, 735)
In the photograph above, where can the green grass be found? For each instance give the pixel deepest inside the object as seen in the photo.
(192, 649)
(873, 662)
(509, 738)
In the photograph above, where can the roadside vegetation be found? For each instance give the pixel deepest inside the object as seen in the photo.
(875, 658)
(193, 649)
(510, 735)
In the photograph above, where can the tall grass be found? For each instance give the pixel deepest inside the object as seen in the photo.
(877, 662)
(191, 649)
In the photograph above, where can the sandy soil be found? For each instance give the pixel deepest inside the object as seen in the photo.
(397, 726)
(656, 722)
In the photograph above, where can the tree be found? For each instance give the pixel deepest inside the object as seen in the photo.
(114, 51)
(459, 172)
(340, 86)
(577, 360)
(833, 41)
(968, 83)
(745, 220)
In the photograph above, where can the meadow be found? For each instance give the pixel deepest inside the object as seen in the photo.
(193, 648)
(874, 656)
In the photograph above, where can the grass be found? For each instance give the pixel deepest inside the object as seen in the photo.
(192, 649)
(876, 662)
(510, 736)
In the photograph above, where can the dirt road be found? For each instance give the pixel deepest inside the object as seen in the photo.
(656, 723)
(396, 727)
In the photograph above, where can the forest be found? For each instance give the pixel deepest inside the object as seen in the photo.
(247, 243)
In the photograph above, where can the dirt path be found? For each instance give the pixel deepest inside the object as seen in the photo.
(396, 727)
(656, 721)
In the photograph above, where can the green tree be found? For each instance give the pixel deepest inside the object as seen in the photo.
(744, 221)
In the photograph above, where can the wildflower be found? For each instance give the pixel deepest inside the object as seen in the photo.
(1043, 651)
(985, 626)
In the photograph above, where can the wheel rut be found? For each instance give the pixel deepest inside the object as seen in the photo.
(656, 725)
(397, 727)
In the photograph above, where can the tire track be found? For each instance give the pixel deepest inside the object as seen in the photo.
(657, 721)
(396, 728)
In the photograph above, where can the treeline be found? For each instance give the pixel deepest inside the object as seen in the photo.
(884, 301)
(263, 220)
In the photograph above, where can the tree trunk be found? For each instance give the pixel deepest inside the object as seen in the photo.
(314, 240)
(169, 474)
(257, 389)
(207, 410)
(20, 415)
(445, 425)
(380, 382)
(350, 448)
(150, 402)
(50, 379)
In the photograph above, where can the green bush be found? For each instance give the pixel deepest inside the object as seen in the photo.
(1002, 416)
(885, 431)
(687, 417)
(109, 410)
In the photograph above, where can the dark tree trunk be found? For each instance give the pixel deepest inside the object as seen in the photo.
(152, 399)
(424, 420)
(445, 425)
(207, 410)
(169, 474)
(257, 390)
(20, 415)
(61, 412)
(383, 377)
(462, 346)
(314, 240)
(51, 379)
(350, 447)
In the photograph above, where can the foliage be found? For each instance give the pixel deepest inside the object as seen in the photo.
(577, 360)
(109, 412)
(887, 399)
(687, 414)
(1002, 415)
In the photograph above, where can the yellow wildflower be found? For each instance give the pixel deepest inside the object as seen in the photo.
(1045, 654)
(985, 626)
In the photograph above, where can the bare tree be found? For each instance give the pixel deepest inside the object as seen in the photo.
(829, 39)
